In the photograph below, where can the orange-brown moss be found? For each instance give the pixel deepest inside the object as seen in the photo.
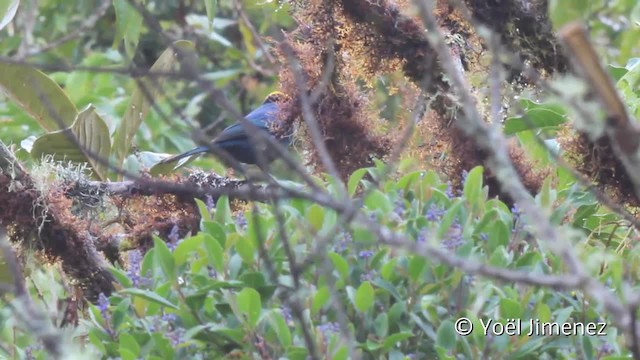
(443, 146)
(599, 163)
(525, 28)
(53, 229)
(341, 107)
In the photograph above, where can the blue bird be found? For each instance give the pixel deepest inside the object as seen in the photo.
(234, 139)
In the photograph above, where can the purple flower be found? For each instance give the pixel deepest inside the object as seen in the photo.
(343, 242)
(365, 254)
(170, 318)
(174, 237)
(454, 236)
(103, 305)
(399, 204)
(241, 221)
(606, 348)
(212, 272)
(399, 207)
(368, 276)
(484, 236)
(422, 236)
(209, 202)
(133, 271)
(286, 313)
(154, 323)
(515, 210)
(330, 327)
(28, 352)
(434, 213)
(176, 336)
(465, 173)
(517, 219)
(449, 191)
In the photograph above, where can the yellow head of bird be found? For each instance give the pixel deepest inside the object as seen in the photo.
(276, 97)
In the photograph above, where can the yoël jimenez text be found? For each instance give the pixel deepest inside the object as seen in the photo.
(535, 327)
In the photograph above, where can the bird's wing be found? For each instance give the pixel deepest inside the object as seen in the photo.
(261, 117)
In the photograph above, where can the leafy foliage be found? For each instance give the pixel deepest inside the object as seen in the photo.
(209, 294)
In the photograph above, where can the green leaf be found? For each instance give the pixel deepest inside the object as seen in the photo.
(215, 254)
(417, 264)
(587, 347)
(393, 339)
(140, 104)
(246, 249)
(510, 309)
(210, 6)
(253, 279)
(498, 235)
(8, 9)
(247, 39)
(340, 264)
(449, 217)
(205, 215)
(533, 119)
(543, 312)
(216, 231)
(119, 314)
(354, 180)
(150, 296)
(249, 304)
(129, 343)
(364, 297)
(381, 324)
(126, 355)
(388, 270)
(164, 258)
(616, 72)
(446, 335)
(473, 185)
(628, 85)
(562, 12)
(282, 329)
(120, 275)
(341, 354)
(28, 87)
(223, 211)
(320, 299)
(86, 141)
(363, 235)
(128, 25)
(487, 219)
(377, 200)
(315, 216)
(187, 247)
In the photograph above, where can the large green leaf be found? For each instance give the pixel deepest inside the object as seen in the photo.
(562, 12)
(128, 26)
(250, 305)
(8, 9)
(537, 118)
(150, 296)
(87, 140)
(28, 87)
(210, 6)
(140, 104)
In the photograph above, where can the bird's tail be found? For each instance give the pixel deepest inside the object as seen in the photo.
(195, 151)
